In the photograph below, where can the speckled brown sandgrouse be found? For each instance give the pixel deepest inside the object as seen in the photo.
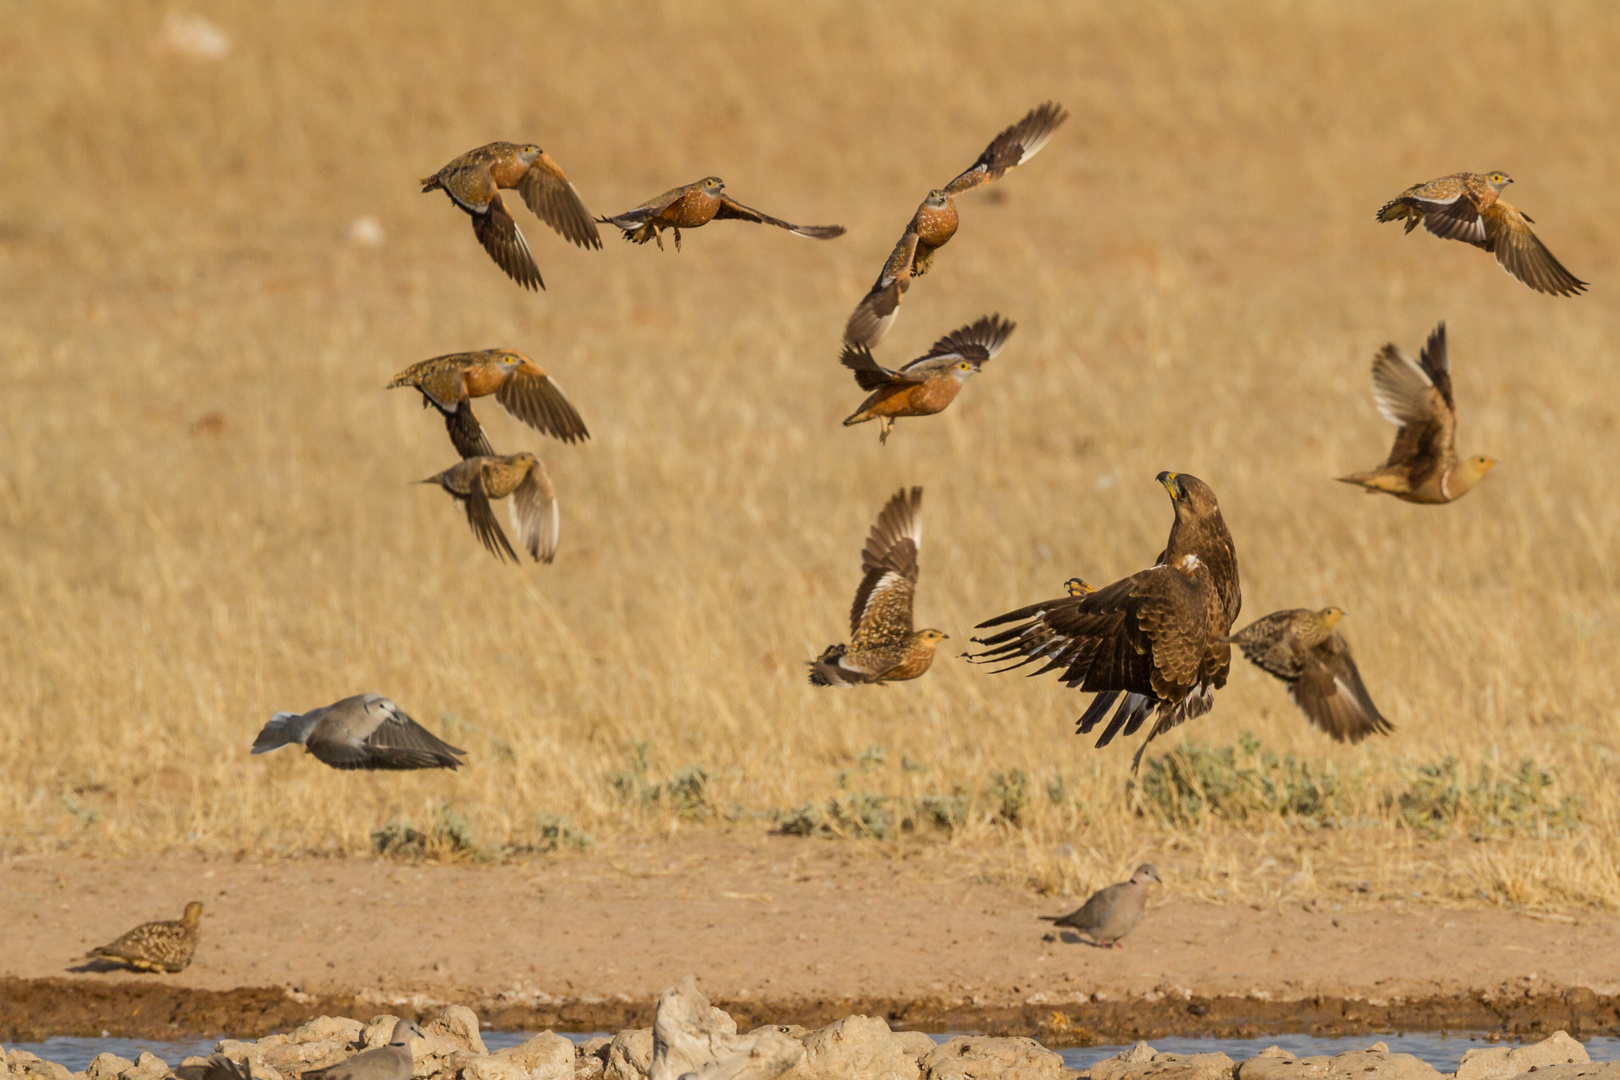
(478, 480)
(936, 219)
(929, 383)
(448, 383)
(165, 946)
(883, 647)
(1113, 911)
(474, 182)
(366, 731)
(1305, 650)
(1154, 637)
(1415, 396)
(691, 206)
(1469, 207)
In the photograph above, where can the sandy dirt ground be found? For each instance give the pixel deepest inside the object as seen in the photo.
(780, 930)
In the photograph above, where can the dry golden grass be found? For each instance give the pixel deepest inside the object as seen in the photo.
(204, 492)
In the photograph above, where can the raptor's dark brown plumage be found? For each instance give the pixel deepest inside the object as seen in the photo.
(1154, 637)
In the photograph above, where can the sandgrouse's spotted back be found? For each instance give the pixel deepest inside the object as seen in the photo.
(157, 946)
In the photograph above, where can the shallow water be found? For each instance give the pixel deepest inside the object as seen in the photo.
(1441, 1051)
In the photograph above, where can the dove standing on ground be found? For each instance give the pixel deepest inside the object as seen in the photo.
(391, 1062)
(1112, 912)
(157, 946)
(366, 731)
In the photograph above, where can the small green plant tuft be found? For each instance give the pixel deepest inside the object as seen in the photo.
(557, 831)
(1008, 795)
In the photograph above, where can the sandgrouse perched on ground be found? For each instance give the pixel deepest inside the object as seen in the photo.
(1415, 396)
(1113, 911)
(391, 1062)
(1469, 207)
(883, 647)
(1155, 637)
(929, 383)
(473, 182)
(936, 221)
(366, 731)
(477, 480)
(165, 946)
(1304, 650)
(694, 205)
(449, 383)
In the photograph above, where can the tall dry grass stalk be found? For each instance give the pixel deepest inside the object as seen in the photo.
(204, 492)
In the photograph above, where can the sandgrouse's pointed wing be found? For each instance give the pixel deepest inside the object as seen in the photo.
(869, 374)
(881, 613)
(535, 398)
(873, 316)
(466, 433)
(978, 341)
(500, 236)
(733, 210)
(1014, 146)
(484, 526)
(1407, 396)
(553, 200)
(535, 515)
(1516, 246)
(1331, 694)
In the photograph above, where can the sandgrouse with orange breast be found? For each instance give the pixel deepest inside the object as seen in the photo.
(929, 383)
(691, 206)
(449, 383)
(936, 221)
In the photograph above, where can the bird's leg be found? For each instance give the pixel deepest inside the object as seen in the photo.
(658, 235)
(677, 240)
(1136, 762)
(887, 423)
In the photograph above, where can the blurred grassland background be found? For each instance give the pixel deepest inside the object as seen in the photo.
(205, 504)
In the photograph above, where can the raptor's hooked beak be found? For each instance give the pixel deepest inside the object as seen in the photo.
(1168, 479)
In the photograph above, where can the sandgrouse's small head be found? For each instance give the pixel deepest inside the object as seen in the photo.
(193, 913)
(713, 185)
(936, 199)
(1498, 180)
(929, 638)
(1330, 617)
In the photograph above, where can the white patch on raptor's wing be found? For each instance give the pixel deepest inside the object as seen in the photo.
(1187, 565)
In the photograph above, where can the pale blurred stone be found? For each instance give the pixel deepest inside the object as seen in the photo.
(629, 1055)
(1505, 1062)
(106, 1066)
(860, 1047)
(985, 1057)
(192, 37)
(547, 1056)
(1376, 1063)
(366, 231)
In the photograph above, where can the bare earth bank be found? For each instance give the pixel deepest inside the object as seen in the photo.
(777, 930)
